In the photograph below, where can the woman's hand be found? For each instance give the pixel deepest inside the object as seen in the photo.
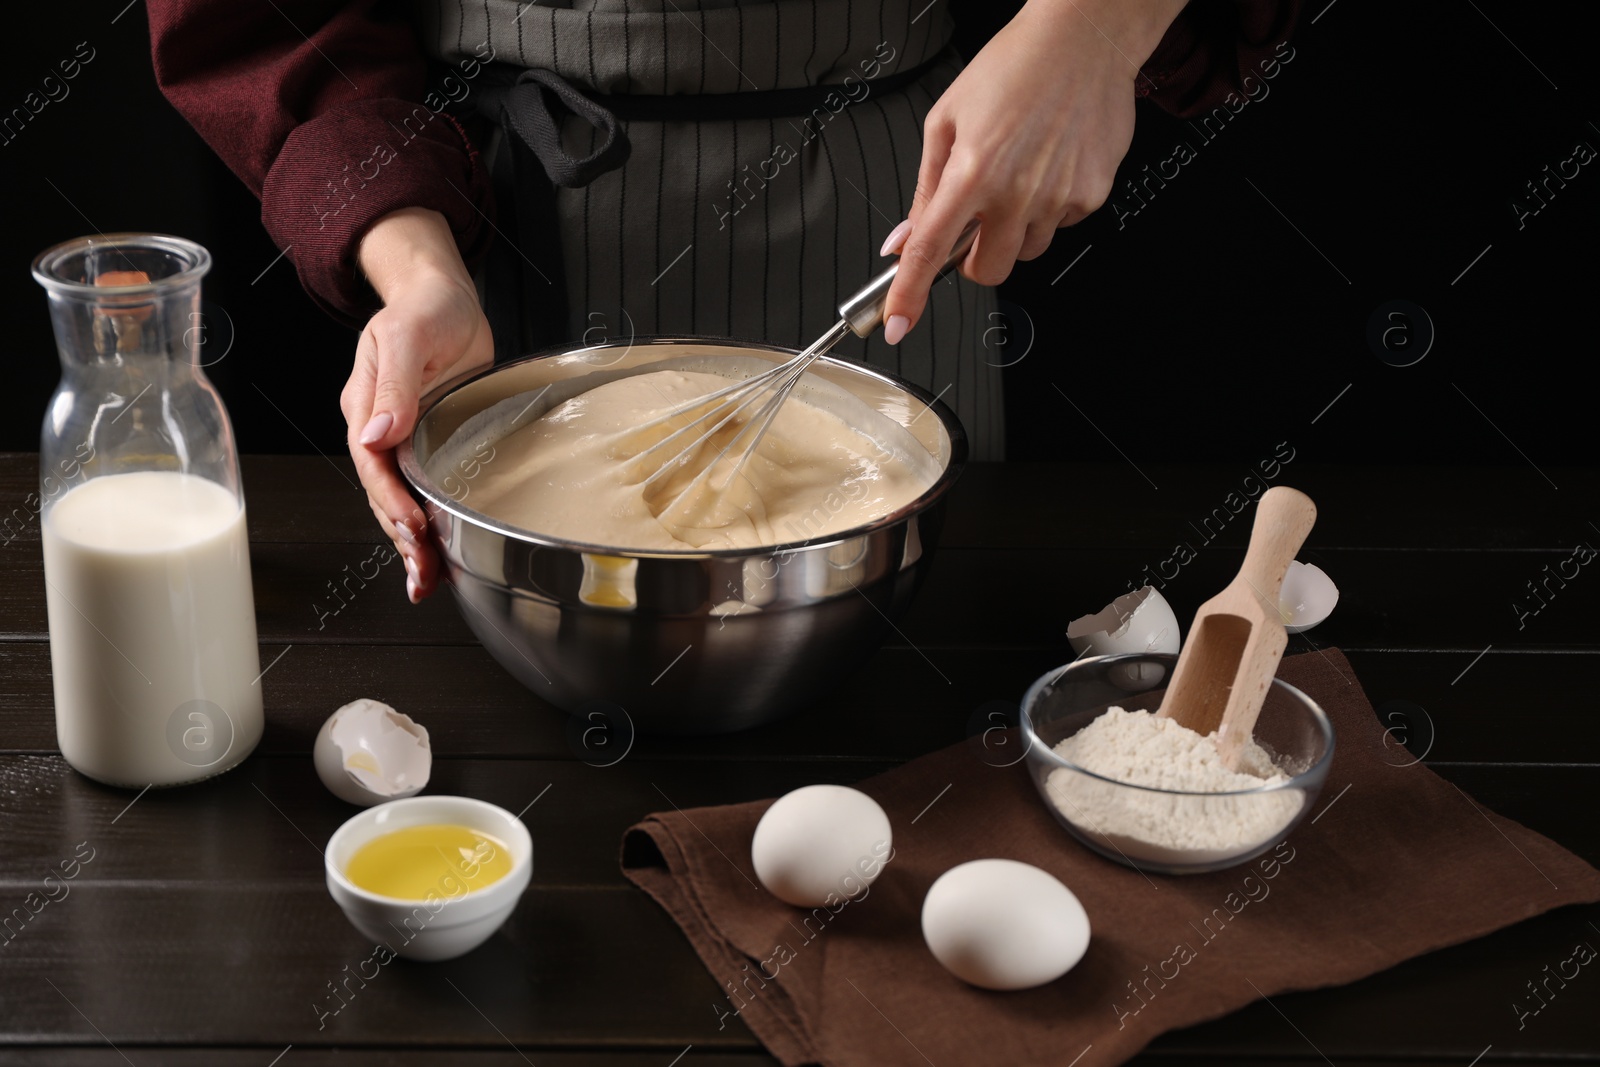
(1027, 139)
(430, 328)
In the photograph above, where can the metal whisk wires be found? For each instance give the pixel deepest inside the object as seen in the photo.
(861, 314)
(769, 389)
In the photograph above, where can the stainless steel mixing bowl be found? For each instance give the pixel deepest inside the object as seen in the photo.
(683, 642)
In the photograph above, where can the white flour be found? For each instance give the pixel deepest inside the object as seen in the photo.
(1138, 748)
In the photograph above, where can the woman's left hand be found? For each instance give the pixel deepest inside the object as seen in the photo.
(1027, 139)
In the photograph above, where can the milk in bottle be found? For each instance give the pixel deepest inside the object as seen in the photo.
(147, 567)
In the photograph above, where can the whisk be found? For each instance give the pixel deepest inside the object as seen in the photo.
(861, 314)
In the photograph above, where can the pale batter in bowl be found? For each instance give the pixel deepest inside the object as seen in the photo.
(577, 473)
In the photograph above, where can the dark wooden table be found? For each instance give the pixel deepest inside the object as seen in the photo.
(201, 932)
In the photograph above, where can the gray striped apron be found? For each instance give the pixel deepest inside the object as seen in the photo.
(751, 227)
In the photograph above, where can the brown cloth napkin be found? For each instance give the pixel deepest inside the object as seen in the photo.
(1354, 892)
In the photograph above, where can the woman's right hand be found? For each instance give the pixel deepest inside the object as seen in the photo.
(430, 328)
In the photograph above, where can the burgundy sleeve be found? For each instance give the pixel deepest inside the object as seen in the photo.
(1211, 48)
(317, 106)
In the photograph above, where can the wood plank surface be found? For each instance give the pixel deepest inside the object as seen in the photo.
(202, 932)
(601, 968)
(266, 821)
(973, 598)
(893, 709)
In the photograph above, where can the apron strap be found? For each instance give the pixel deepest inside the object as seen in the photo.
(525, 110)
(523, 104)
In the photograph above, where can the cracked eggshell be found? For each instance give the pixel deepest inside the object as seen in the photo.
(1307, 598)
(1140, 621)
(368, 753)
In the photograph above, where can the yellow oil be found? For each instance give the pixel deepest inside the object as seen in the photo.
(608, 581)
(439, 858)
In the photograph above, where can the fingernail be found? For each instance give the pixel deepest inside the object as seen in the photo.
(896, 238)
(403, 528)
(411, 589)
(412, 572)
(896, 328)
(376, 427)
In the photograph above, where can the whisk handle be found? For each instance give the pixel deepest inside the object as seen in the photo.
(864, 310)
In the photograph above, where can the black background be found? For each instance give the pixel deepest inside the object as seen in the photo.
(1223, 318)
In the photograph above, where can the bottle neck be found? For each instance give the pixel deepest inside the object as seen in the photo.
(123, 299)
(160, 326)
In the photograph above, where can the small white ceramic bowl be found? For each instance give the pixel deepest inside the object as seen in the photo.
(454, 921)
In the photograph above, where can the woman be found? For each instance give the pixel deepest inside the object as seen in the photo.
(689, 167)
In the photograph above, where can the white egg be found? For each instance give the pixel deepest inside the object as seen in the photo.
(821, 844)
(1001, 924)
(1307, 598)
(367, 753)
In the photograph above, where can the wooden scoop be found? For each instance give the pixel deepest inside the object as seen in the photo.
(1238, 636)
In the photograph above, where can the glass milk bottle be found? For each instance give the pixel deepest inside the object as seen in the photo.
(146, 564)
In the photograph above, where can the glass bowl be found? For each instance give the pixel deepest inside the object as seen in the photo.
(1165, 830)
